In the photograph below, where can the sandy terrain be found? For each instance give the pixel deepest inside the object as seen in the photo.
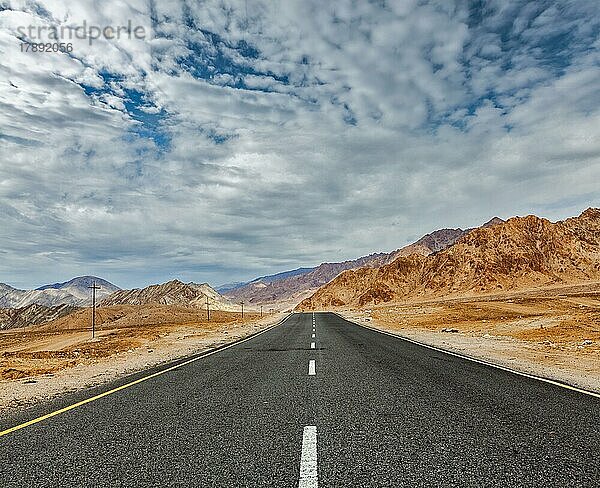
(554, 333)
(37, 363)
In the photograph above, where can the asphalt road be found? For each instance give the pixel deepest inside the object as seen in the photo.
(377, 412)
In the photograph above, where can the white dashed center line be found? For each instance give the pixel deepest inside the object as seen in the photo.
(313, 336)
(312, 345)
(309, 477)
(312, 368)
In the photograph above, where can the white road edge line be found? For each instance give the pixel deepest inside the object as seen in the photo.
(312, 368)
(309, 477)
(312, 345)
(480, 361)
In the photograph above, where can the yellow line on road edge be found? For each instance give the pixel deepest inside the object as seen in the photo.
(122, 387)
(475, 360)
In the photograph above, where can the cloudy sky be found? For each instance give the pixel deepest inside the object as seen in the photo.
(239, 138)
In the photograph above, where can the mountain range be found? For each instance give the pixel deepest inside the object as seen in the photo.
(288, 288)
(499, 255)
(74, 292)
(282, 289)
(191, 295)
(264, 279)
(172, 292)
(521, 253)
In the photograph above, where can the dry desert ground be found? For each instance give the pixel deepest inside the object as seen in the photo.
(39, 362)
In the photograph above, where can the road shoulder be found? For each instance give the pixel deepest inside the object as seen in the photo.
(522, 356)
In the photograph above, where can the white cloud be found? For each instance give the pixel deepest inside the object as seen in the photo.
(292, 133)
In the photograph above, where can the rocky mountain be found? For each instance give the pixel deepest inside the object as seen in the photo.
(522, 252)
(431, 243)
(292, 286)
(229, 287)
(32, 314)
(79, 287)
(73, 292)
(173, 292)
(491, 222)
(439, 240)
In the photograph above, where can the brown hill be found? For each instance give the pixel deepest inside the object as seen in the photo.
(33, 314)
(522, 252)
(128, 316)
(173, 292)
(292, 289)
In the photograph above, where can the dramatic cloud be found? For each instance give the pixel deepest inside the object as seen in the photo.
(237, 138)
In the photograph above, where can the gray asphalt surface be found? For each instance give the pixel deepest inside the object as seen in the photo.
(388, 413)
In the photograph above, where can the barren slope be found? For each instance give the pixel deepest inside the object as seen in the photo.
(523, 252)
(32, 315)
(172, 293)
(295, 288)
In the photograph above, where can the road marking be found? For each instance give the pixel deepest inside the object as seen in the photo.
(139, 380)
(313, 336)
(312, 345)
(309, 477)
(480, 361)
(312, 368)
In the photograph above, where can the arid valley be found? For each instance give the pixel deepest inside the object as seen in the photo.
(522, 294)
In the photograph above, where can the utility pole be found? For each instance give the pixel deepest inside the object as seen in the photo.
(94, 287)
(261, 311)
(242, 309)
(207, 310)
